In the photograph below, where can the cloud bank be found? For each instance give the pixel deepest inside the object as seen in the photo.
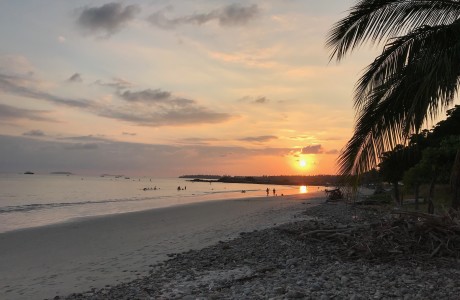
(8, 112)
(86, 154)
(160, 108)
(23, 86)
(149, 107)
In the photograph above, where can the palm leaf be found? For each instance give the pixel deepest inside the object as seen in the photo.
(415, 77)
(377, 20)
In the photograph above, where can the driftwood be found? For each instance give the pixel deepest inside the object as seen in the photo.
(412, 234)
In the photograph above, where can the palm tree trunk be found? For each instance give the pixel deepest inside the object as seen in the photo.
(455, 182)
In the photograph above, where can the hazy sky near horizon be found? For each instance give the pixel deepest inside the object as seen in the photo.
(164, 88)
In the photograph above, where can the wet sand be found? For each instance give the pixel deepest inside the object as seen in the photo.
(90, 253)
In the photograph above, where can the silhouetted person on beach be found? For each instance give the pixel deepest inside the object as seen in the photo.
(178, 188)
(268, 191)
(274, 192)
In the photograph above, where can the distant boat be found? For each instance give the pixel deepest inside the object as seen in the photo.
(29, 173)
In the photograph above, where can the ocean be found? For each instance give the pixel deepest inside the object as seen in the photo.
(36, 200)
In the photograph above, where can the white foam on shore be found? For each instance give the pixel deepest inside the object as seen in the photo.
(33, 201)
(93, 252)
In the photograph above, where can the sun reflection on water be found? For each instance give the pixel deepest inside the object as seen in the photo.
(303, 189)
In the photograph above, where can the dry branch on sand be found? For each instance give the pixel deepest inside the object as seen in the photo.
(406, 234)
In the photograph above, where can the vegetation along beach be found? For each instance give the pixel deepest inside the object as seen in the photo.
(229, 149)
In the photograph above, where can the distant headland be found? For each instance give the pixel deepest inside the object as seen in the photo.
(324, 180)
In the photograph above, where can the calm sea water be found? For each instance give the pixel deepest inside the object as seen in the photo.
(37, 200)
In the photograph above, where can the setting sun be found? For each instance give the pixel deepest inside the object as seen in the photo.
(302, 163)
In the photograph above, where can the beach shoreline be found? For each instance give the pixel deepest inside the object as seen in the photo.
(283, 262)
(94, 252)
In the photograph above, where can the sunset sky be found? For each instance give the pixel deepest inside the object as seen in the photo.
(164, 88)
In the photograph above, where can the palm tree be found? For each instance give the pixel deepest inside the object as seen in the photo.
(414, 78)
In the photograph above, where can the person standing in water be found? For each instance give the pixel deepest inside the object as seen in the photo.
(268, 191)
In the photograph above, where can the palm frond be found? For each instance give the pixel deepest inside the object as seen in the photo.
(404, 51)
(377, 20)
(415, 77)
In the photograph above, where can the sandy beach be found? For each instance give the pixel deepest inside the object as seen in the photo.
(304, 259)
(96, 252)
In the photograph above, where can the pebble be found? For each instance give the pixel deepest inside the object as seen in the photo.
(276, 264)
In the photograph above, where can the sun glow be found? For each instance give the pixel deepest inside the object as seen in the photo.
(302, 163)
(303, 189)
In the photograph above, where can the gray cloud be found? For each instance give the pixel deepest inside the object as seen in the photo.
(254, 100)
(117, 83)
(259, 139)
(148, 95)
(165, 116)
(8, 112)
(129, 133)
(230, 15)
(317, 149)
(34, 133)
(108, 18)
(261, 100)
(312, 149)
(159, 108)
(234, 14)
(156, 96)
(75, 78)
(21, 86)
